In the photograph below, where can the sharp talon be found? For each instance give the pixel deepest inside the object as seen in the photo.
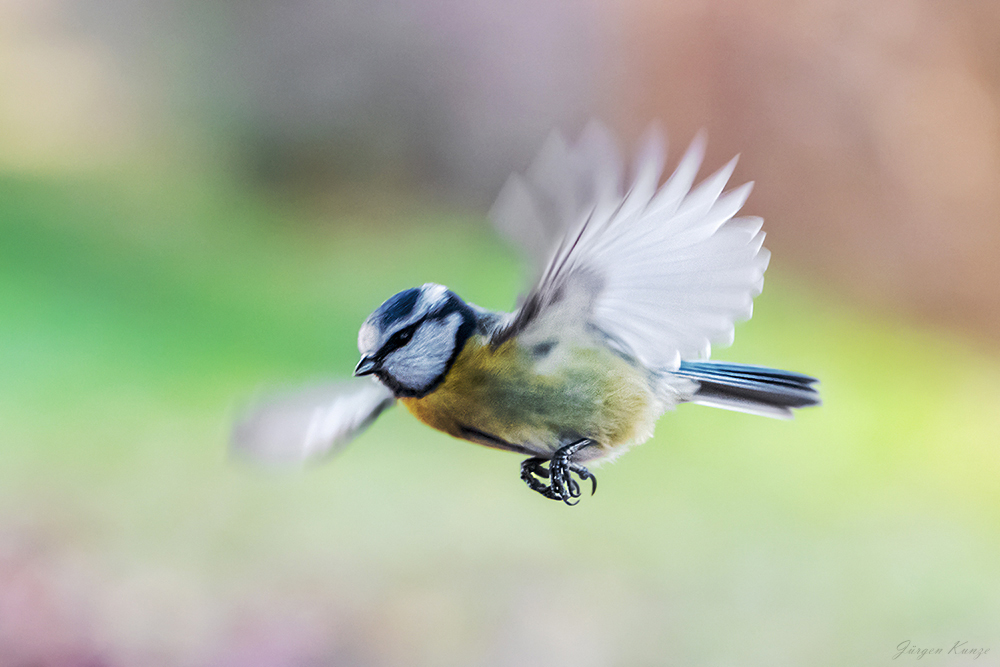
(531, 471)
(561, 484)
(585, 475)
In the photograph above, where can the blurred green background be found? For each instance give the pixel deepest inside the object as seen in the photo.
(200, 203)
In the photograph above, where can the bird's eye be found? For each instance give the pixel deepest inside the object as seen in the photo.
(403, 337)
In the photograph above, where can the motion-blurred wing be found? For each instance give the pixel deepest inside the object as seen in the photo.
(537, 209)
(309, 423)
(664, 271)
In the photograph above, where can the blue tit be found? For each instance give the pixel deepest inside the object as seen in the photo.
(634, 284)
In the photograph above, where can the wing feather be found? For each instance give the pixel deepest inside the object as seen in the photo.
(309, 423)
(664, 271)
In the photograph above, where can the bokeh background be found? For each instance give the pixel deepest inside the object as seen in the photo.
(202, 200)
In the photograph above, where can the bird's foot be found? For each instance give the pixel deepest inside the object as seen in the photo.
(561, 486)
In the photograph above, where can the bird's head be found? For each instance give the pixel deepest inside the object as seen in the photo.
(411, 340)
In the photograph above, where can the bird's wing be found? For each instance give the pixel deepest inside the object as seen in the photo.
(309, 423)
(537, 209)
(662, 271)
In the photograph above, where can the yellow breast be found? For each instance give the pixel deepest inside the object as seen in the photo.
(510, 395)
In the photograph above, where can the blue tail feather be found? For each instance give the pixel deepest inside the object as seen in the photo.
(747, 388)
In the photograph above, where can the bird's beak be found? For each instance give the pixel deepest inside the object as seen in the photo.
(366, 366)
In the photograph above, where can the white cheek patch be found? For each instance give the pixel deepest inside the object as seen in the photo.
(367, 339)
(422, 361)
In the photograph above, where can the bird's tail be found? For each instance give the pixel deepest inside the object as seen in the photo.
(754, 389)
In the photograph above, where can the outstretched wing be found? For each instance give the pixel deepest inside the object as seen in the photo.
(663, 272)
(309, 423)
(537, 209)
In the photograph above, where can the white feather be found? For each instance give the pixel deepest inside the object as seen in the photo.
(309, 423)
(665, 271)
(422, 361)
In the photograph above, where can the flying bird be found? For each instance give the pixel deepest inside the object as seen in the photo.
(635, 280)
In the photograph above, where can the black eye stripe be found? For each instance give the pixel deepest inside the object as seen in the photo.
(405, 335)
(400, 338)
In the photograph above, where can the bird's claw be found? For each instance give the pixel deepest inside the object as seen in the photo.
(560, 472)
